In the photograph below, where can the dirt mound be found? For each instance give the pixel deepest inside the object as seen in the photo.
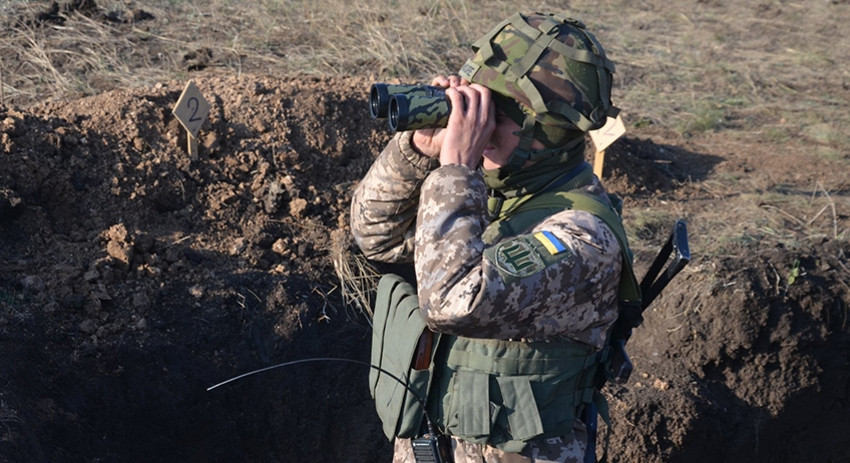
(133, 279)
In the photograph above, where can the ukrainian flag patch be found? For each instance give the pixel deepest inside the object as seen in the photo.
(550, 242)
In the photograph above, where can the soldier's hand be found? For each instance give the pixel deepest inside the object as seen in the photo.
(429, 141)
(471, 123)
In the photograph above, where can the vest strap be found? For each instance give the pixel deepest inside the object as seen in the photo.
(474, 413)
(514, 358)
(524, 421)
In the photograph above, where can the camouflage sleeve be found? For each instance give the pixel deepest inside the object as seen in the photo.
(557, 282)
(383, 208)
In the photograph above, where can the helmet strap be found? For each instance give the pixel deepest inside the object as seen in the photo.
(525, 153)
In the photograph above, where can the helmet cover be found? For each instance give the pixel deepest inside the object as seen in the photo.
(552, 67)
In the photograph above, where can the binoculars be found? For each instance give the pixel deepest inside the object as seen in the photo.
(409, 107)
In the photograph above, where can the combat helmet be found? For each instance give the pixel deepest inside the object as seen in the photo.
(547, 73)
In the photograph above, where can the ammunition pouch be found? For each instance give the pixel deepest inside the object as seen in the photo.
(507, 393)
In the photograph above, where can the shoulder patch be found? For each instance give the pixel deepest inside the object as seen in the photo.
(517, 257)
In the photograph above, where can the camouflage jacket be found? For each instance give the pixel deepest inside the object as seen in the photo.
(407, 208)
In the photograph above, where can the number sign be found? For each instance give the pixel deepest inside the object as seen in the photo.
(602, 139)
(191, 109)
(609, 133)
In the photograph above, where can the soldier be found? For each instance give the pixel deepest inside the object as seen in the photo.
(522, 303)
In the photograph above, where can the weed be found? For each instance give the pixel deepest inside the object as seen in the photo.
(705, 119)
(7, 415)
(794, 272)
(651, 226)
(777, 134)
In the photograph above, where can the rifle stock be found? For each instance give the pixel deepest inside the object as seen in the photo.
(651, 286)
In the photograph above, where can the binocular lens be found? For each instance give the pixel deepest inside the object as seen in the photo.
(379, 100)
(393, 114)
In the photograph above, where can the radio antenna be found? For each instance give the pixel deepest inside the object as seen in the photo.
(431, 428)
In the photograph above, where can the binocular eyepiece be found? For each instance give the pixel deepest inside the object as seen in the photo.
(409, 107)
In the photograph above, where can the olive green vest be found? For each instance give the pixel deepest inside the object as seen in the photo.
(503, 393)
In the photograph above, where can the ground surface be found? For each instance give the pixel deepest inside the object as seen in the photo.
(132, 279)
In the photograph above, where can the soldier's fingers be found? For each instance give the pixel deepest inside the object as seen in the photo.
(479, 102)
(457, 100)
(455, 81)
(485, 99)
(484, 91)
(440, 81)
(470, 99)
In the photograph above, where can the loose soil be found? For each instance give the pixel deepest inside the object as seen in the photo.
(134, 278)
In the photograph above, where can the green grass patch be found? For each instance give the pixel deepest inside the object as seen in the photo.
(703, 119)
(649, 227)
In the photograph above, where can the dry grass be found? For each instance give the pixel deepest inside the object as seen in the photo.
(716, 227)
(7, 415)
(712, 67)
(43, 59)
(358, 278)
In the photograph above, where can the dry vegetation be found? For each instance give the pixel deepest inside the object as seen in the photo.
(707, 67)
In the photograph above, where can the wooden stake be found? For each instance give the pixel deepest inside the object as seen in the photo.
(193, 146)
(598, 161)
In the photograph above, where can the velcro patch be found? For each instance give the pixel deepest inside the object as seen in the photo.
(518, 257)
(468, 70)
(550, 242)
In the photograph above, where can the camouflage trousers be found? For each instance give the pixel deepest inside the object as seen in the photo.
(554, 450)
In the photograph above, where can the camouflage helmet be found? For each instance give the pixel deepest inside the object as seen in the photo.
(552, 68)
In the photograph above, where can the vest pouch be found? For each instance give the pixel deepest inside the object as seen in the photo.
(507, 393)
(397, 325)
